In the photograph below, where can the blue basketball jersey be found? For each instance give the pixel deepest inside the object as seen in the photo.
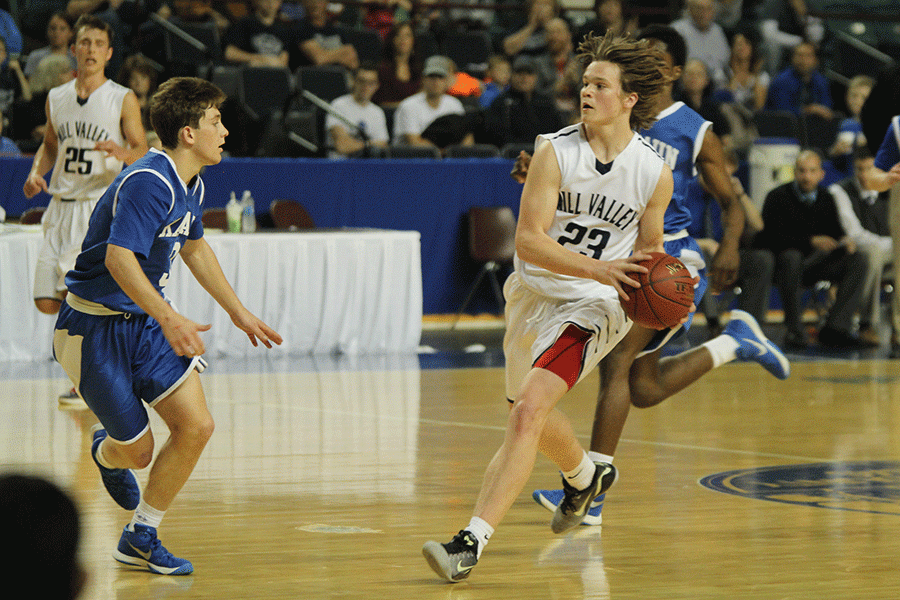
(889, 151)
(677, 136)
(148, 210)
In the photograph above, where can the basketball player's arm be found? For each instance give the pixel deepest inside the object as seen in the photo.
(202, 261)
(536, 213)
(44, 159)
(651, 225)
(181, 333)
(132, 131)
(723, 269)
(881, 181)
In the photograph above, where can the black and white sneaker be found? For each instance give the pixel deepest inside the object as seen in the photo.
(576, 503)
(454, 560)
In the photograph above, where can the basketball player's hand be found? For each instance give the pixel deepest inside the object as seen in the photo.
(112, 149)
(184, 335)
(723, 270)
(520, 169)
(616, 272)
(34, 184)
(255, 329)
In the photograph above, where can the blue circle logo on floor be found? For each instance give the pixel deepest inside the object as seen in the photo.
(865, 486)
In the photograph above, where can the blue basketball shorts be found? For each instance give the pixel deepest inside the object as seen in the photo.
(118, 363)
(688, 252)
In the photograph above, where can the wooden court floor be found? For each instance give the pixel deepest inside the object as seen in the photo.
(325, 477)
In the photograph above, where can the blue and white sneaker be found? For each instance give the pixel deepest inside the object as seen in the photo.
(754, 346)
(121, 484)
(141, 548)
(550, 499)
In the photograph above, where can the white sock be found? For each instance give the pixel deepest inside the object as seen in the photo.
(146, 515)
(581, 476)
(597, 457)
(482, 532)
(101, 458)
(723, 349)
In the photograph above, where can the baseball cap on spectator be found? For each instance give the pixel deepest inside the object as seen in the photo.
(437, 66)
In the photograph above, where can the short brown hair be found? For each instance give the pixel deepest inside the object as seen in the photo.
(640, 67)
(90, 21)
(181, 102)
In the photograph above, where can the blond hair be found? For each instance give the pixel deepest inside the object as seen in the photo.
(640, 71)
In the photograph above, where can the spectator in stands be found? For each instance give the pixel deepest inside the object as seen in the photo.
(382, 15)
(417, 112)
(696, 92)
(864, 216)
(7, 146)
(801, 88)
(748, 82)
(728, 15)
(471, 19)
(400, 70)
(784, 24)
(59, 41)
(31, 116)
(803, 232)
(320, 41)
(608, 15)
(756, 266)
(10, 33)
(263, 39)
(521, 113)
(13, 83)
(496, 79)
(370, 124)
(42, 529)
(140, 75)
(850, 133)
(532, 37)
(559, 72)
(705, 38)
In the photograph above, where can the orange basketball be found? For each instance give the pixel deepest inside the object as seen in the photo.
(665, 295)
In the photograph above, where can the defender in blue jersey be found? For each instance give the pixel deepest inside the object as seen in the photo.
(886, 177)
(122, 344)
(634, 371)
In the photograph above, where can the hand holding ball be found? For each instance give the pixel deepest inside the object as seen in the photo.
(665, 296)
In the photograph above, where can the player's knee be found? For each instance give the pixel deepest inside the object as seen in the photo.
(48, 306)
(643, 395)
(527, 416)
(196, 432)
(142, 460)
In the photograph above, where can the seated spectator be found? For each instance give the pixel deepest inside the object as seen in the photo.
(532, 37)
(381, 15)
(801, 88)
(59, 39)
(756, 266)
(400, 70)
(560, 73)
(263, 39)
(496, 79)
(320, 41)
(10, 33)
(471, 19)
(608, 15)
(13, 83)
(747, 80)
(864, 216)
(418, 111)
(521, 113)
(783, 26)
(850, 133)
(139, 74)
(43, 529)
(697, 93)
(357, 107)
(704, 38)
(803, 232)
(7, 146)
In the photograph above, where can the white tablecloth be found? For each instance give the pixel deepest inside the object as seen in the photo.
(351, 291)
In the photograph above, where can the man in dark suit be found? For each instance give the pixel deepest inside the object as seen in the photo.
(804, 233)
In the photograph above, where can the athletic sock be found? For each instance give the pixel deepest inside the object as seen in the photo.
(482, 532)
(597, 457)
(581, 476)
(146, 515)
(723, 349)
(101, 458)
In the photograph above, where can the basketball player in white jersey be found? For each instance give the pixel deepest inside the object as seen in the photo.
(593, 205)
(93, 127)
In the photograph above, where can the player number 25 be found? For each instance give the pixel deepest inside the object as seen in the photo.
(578, 232)
(76, 161)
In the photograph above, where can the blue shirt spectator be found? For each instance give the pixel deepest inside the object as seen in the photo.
(801, 88)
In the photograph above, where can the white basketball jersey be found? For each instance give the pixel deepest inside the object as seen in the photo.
(598, 211)
(80, 171)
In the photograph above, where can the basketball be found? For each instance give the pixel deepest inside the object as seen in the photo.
(665, 295)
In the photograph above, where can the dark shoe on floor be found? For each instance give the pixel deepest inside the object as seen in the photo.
(795, 340)
(831, 337)
(895, 348)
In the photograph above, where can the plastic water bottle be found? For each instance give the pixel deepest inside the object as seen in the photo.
(233, 214)
(248, 213)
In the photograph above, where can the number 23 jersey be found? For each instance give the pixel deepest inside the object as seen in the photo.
(598, 210)
(80, 171)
